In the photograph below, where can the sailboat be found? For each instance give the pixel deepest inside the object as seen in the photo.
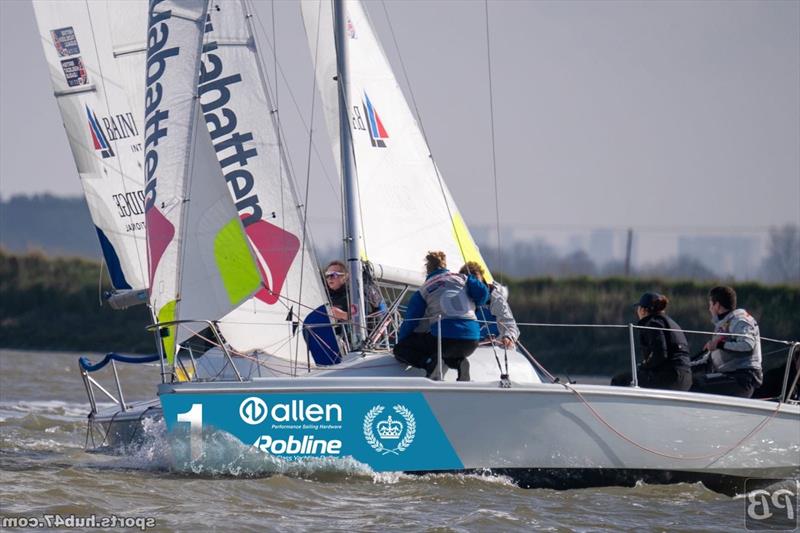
(245, 343)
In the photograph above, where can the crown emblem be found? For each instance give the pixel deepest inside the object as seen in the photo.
(389, 429)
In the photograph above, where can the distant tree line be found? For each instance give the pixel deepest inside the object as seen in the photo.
(610, 301)
(54, 304)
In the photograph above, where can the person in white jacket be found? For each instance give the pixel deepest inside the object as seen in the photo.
(496, 319)
(735, 360)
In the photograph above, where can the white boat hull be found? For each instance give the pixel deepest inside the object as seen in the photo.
(540, 434)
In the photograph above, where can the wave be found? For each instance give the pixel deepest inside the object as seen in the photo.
(53, 408)
(224, 456)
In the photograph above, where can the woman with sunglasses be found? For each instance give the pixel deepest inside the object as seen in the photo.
(336, 278)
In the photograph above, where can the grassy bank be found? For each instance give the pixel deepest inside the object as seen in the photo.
(609, 301)
(53, 303)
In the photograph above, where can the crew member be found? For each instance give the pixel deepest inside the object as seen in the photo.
(446, 300)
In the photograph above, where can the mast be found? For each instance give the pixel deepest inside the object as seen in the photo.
(353, 232)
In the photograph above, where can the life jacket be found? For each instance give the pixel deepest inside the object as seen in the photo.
(737, 321)
(446, 295)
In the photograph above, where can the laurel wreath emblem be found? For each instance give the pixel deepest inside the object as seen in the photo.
(377, 445)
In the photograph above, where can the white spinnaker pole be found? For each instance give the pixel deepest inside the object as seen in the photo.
(354, 237)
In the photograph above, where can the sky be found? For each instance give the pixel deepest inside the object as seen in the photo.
(650, 114)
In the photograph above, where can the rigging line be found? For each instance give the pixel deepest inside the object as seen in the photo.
(442, 186)
(343, 207)
(308, 172)
(252, 13)
(494, 154)
(108, 110)
(277, 113)
(714, 455)
(277, 128)
(294, 102)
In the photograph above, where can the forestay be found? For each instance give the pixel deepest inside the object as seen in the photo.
(405, 206)
(90, 55)
(201, 265)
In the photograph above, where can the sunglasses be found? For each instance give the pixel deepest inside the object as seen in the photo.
(333, 274)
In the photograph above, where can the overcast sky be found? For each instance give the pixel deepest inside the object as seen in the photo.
(606, 113)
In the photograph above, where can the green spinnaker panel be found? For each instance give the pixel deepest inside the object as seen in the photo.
(236, 267)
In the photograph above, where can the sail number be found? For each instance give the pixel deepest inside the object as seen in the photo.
(195, 418)
(358, 120)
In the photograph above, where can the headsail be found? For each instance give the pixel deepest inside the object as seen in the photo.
(405, 205)
(200, 263)
(238, 113)
(102, 111)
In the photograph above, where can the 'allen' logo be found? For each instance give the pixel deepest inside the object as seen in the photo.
(253, 410)
(98, 137)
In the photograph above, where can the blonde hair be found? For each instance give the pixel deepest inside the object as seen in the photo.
(474, 268)
(435, 260)
(338, 263)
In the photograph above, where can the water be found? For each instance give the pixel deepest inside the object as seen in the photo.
(44, 470)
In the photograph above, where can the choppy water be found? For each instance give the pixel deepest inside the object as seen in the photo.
(44, 470)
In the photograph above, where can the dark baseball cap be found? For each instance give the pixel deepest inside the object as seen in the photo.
(647, 300)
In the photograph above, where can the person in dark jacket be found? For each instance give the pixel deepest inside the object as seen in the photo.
(665, 351)
(336, 278)
(447, 301)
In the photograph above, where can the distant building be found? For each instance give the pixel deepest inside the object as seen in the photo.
(601, 246)
(575, 243)
(725, 255)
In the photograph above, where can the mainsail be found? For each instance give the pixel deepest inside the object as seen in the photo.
(406, 208)
(102, 109)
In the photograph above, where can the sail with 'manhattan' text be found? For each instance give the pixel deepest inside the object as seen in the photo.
(201, 265)
(244, 131)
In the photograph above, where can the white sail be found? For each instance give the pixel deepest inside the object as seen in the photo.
(102, 113)
(237, 112)
(201, 266)
(405, 206)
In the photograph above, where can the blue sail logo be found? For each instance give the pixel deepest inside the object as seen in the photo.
(99, 138)
(377, 133)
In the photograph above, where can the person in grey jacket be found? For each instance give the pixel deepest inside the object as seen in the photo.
(496, 319)
(734, 360)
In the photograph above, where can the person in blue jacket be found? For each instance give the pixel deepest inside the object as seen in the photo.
(446, 298)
